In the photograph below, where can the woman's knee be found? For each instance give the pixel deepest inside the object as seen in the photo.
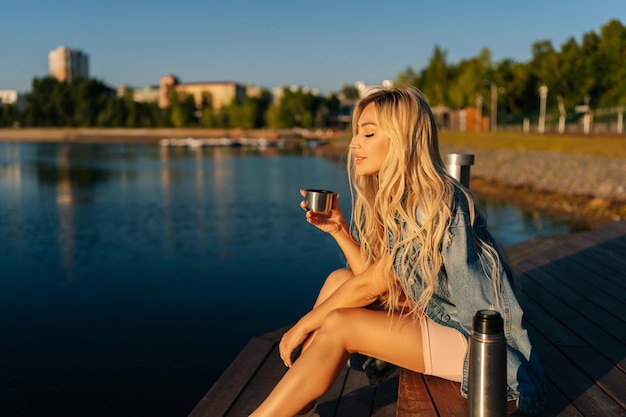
(336, 278)
(333, 281)
(338, 323)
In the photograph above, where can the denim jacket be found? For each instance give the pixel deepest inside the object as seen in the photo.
(464, 288)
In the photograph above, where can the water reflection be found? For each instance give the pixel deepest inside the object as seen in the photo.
(124, 264)
(65, 201)
(510, 224)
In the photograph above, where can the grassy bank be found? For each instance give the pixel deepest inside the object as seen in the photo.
(598, 145)
(605, 145)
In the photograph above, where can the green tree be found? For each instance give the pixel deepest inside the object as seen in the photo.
(242, 115)
(467, 80)
(514, 79)
(9, 115)
(207, 117)
(296, 108)
(408, 77)
(434, 79)
(349, 92)
(112, 115)
(183, 110)
(262, 102)
(611, 61)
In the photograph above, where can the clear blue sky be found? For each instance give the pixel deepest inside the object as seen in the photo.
(320, 44)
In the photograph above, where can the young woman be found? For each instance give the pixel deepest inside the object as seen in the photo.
(421, 263)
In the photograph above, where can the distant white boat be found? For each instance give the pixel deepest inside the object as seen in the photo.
(192, 142)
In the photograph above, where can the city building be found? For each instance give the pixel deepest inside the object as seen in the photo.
(65, 64)
(146, 94)
(14, 98)
(218, 94)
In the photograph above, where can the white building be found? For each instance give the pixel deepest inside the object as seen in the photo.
(146, 94)
(66, 64)
(13, 97)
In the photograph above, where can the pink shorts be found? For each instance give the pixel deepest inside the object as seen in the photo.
(444, 350)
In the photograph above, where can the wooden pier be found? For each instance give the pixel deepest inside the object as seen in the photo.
(573, 289)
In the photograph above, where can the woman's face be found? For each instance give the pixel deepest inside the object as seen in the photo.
(370, 145)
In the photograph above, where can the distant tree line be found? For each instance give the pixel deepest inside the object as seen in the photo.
(91, 103)
(592, 72)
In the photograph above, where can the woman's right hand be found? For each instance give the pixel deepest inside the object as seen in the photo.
(331, 223)
(293, 338)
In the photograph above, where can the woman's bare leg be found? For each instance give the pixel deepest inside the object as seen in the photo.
(370, 332)
(334, 280)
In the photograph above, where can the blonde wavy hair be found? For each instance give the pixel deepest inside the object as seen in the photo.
(412, 175)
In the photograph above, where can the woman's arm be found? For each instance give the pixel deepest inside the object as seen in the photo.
(350, 248)
(359, 291)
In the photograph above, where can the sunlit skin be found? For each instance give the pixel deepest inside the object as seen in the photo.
(369, 145)
(343, 320)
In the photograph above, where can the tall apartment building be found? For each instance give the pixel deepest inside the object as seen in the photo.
(66, 64)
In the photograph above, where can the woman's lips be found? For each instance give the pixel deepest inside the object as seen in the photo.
(358, 159)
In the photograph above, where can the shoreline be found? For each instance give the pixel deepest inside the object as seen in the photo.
(590, 211)
(121, 135)
(584, 208)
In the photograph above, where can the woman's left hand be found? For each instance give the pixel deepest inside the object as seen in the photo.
(293, 338)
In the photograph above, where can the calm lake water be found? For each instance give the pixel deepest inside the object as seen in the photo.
(132, 275)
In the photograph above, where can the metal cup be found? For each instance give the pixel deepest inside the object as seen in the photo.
(319, 201)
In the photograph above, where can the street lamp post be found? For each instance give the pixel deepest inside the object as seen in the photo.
(494, 105)
(543, 94)
(479, 113)
(561, 114)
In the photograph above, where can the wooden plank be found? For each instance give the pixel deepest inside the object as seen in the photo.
(558, 405)
(588, 359)
(591, 254)
(447, 397)
(275, 335)
(386, 397)
(531, 247)
(329, 401)
(603, 313)
(571, 317)
(413, 397)
(231, 383)
(257, 389)
(585, 282)
(357, 396)
(610, 231)
(577, 387)
(600, 256)
(548, 273)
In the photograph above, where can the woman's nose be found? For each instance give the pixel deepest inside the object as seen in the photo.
(354, 142)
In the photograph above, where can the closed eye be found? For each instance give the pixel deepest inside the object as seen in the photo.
(369, 136)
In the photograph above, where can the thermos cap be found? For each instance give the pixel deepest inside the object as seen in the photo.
(488, 322)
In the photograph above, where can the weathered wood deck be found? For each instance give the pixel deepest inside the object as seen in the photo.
(573, 289)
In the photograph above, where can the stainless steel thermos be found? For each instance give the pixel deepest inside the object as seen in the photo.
(487, 366)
